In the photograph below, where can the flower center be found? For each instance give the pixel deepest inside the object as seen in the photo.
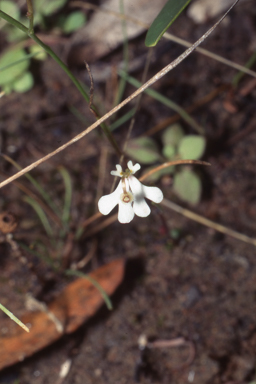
(126, 197)
(126, 173)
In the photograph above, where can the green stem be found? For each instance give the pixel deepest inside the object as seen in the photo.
(30, 16)
(31, 34)
(24, 29)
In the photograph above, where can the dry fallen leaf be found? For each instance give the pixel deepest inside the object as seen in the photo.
(75, 304)
(104, 31)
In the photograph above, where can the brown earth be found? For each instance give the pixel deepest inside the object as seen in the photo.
(201, 286)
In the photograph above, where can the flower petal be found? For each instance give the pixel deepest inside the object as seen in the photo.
(125, 213)
(118, 171)
(153, 193)
(140, 191)
(133, 168)
(108, 202)
(140, 206)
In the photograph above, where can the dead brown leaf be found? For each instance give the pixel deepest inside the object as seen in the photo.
(76, 303)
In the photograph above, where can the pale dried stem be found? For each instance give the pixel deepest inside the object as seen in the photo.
(208, 223)
(166, 35)
(150, 82)
(171, 163)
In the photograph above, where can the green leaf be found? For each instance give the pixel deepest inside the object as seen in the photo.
(187, 185)
(164, 19)
(8, 75)
(13, 34)
(173, 135)
(10, 8)
(38, 52)
(23, 83)
(73, 22)
(169, 152)
(192, 147)
(52, 6)
(48, 7)
(143, 150)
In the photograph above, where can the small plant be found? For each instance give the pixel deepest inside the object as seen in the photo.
(14, 64)
(176, 146)
(14, 74)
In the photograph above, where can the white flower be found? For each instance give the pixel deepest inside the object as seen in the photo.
(129, 195)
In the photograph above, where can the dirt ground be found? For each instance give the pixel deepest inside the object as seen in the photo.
(198, 288)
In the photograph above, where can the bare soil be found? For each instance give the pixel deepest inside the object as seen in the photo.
(200, 286)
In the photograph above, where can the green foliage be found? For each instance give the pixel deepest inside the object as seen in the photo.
(173, 135)
(23, 83)
(144, 150)
(10, 8)
(37, 52)
(164, 19)
(14, 63)
(188, 186)
(7, 74)
(73, 22)
(46, 8)
(13, 71)
(171, 138)
(192, 147)
(176, 145)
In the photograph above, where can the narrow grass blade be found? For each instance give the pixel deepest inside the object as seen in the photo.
(169, 103)
(68, 194)
(127, 116)
(164, 19)
(96, 285)
(14, 318)
(27, 57)
(241, 74)
(40, 212)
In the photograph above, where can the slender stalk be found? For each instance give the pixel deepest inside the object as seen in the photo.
(30, 16)
(24, 29)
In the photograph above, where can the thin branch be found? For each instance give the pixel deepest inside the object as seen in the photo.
(30, 16)
(171, 163)
(155, 78)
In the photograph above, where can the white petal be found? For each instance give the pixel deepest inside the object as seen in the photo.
(141, 208)
(108, 202)
(153, 193)
(118, 171)
(125, 213)
(139, 192)
(136, 187)
(133, 168)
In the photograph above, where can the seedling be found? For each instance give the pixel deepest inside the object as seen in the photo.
(176, 145)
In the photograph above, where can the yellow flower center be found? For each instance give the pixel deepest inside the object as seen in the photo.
(126, 173)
